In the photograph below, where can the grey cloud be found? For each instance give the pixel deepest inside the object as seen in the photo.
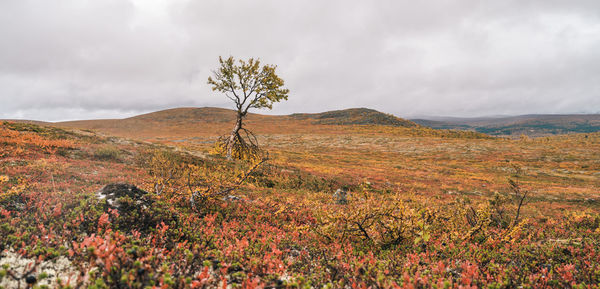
(83, 59)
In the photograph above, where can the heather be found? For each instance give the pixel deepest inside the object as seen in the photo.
(202, 221)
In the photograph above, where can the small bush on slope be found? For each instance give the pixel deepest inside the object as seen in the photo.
(108, 153)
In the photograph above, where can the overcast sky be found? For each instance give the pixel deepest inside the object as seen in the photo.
(83, 59)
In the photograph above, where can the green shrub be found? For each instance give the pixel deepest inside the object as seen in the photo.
(108, 153)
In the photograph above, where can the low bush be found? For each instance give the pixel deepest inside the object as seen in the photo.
(108, 153)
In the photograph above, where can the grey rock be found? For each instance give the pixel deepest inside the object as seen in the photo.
(340, 197)
(114, 193)
(294, 253)
(231, 198)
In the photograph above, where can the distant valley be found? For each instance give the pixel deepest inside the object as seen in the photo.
(530, 125)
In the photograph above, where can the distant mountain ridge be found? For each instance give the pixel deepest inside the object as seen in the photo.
(532, 125)
(212, 119)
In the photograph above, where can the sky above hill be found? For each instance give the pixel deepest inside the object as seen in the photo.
(74, 59)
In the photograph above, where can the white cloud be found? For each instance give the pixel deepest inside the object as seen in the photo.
(82, 59)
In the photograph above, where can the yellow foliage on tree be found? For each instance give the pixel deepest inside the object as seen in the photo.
(248, 85)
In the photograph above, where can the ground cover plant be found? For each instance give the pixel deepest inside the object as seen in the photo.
(424, 209)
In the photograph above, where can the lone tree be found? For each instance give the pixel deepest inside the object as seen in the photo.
(248, 85)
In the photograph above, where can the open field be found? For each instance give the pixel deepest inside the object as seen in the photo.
(410, 159)
(426, 208)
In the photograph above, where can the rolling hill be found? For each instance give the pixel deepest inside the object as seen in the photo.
(215, 121)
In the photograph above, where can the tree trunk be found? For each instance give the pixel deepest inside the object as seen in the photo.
(235, 135)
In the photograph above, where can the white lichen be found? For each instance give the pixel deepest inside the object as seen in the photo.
(18, 266)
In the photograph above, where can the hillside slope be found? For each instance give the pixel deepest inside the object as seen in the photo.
(210, 121)
(187, 114)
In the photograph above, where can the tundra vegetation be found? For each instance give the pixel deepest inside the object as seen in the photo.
(423, 209)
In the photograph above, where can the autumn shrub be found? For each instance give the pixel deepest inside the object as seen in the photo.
(22, 126)
(107, 153)
(584, 220)
(133, 217)
(473, 222)
(308, 182)
(499, 212)
(372, 220)
(271, 176)
(193, 182)
(13, 192)
(18, 142)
